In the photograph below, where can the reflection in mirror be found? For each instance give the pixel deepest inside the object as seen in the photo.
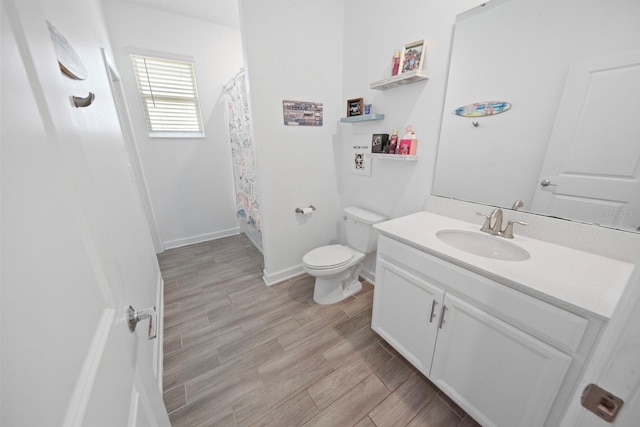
(569, 146)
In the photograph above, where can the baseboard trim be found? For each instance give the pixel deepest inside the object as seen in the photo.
(177, 243)
(271, 279)
(369, 276)
(82, 392)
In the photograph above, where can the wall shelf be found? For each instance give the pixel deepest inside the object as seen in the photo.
(401, 157)
(400, 80)
(362, 118)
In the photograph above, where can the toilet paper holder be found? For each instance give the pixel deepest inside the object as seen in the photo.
(305, 210)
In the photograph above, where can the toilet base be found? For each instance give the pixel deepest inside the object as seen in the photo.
(331, 291)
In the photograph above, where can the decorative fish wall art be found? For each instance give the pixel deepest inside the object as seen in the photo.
(481, 109)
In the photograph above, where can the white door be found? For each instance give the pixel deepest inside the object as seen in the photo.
(615, 364)
(406, 313)
(75, 248)
(591, 170)
(502, 376)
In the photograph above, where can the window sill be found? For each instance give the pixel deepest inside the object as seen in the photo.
(177, 135)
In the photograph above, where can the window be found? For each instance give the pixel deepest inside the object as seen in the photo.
(169, 97)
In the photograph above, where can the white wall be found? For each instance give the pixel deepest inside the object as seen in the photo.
(294, 52)
(306, 51)
(373, 30)
(190, 180)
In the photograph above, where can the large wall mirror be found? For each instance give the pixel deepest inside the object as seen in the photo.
(569, 146)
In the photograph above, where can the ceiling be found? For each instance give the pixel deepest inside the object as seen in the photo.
(221, 12)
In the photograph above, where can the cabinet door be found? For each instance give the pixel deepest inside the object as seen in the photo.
(497, 373)
(406, 312)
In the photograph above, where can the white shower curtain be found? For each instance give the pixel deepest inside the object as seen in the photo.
(243, 154)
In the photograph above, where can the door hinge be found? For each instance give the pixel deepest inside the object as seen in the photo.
(601, 402)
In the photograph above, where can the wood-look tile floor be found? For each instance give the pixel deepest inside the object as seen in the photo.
(239, 353)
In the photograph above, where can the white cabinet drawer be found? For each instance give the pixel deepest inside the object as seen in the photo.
(541, 319)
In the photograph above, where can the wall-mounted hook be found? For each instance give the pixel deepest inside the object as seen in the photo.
(475, 124)
(83, 102)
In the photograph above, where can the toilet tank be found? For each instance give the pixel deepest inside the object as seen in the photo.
(360, 233)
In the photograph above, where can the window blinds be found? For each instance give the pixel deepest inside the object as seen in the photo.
(169, 95)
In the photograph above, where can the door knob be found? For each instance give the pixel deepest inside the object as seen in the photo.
(134, 316)
(547, 183)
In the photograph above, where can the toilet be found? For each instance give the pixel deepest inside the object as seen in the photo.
(337, 267)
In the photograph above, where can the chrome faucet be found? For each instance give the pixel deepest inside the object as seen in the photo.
(493, 224)
(493, 221)
(496, 216)
(517, 204)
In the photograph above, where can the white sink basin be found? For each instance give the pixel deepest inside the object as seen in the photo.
(484, 245)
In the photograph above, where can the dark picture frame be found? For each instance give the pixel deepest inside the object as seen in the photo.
(355, 107)
(380, 143)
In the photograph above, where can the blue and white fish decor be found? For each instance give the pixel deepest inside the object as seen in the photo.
(480, 109)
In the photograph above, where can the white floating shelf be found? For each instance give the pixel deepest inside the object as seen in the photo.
(402, 157)
(400, 80)
(362, 118)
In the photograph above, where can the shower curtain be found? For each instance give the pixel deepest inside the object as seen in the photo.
(243, 155)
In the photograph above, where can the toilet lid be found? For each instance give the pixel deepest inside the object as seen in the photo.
(328, 257)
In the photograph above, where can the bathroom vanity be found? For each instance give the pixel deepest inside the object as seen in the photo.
(504, 333)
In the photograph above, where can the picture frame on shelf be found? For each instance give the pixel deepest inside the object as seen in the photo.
(380, 143)
(355, 107)
(413, 55)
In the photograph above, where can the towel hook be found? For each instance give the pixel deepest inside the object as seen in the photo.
(83, 102)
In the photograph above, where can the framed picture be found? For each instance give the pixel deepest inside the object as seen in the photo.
(413, 56)
(355, 107)
(361, 162)
(380, 143)
(302, 113)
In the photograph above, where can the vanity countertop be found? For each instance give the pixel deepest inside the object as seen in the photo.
(558, 274)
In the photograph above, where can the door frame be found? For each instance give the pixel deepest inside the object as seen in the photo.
(615, 363)
(137, 170)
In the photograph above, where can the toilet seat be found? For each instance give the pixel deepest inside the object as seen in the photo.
(328, 257)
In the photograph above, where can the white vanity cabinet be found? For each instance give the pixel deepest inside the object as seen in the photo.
(502, 375)
(406, 313)
(507, 358)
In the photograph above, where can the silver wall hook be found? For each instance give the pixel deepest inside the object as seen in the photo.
(475, 124)
(83, 102)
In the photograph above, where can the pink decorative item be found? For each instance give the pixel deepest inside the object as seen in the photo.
(395, 65)
(409, 143)
(393, 142)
